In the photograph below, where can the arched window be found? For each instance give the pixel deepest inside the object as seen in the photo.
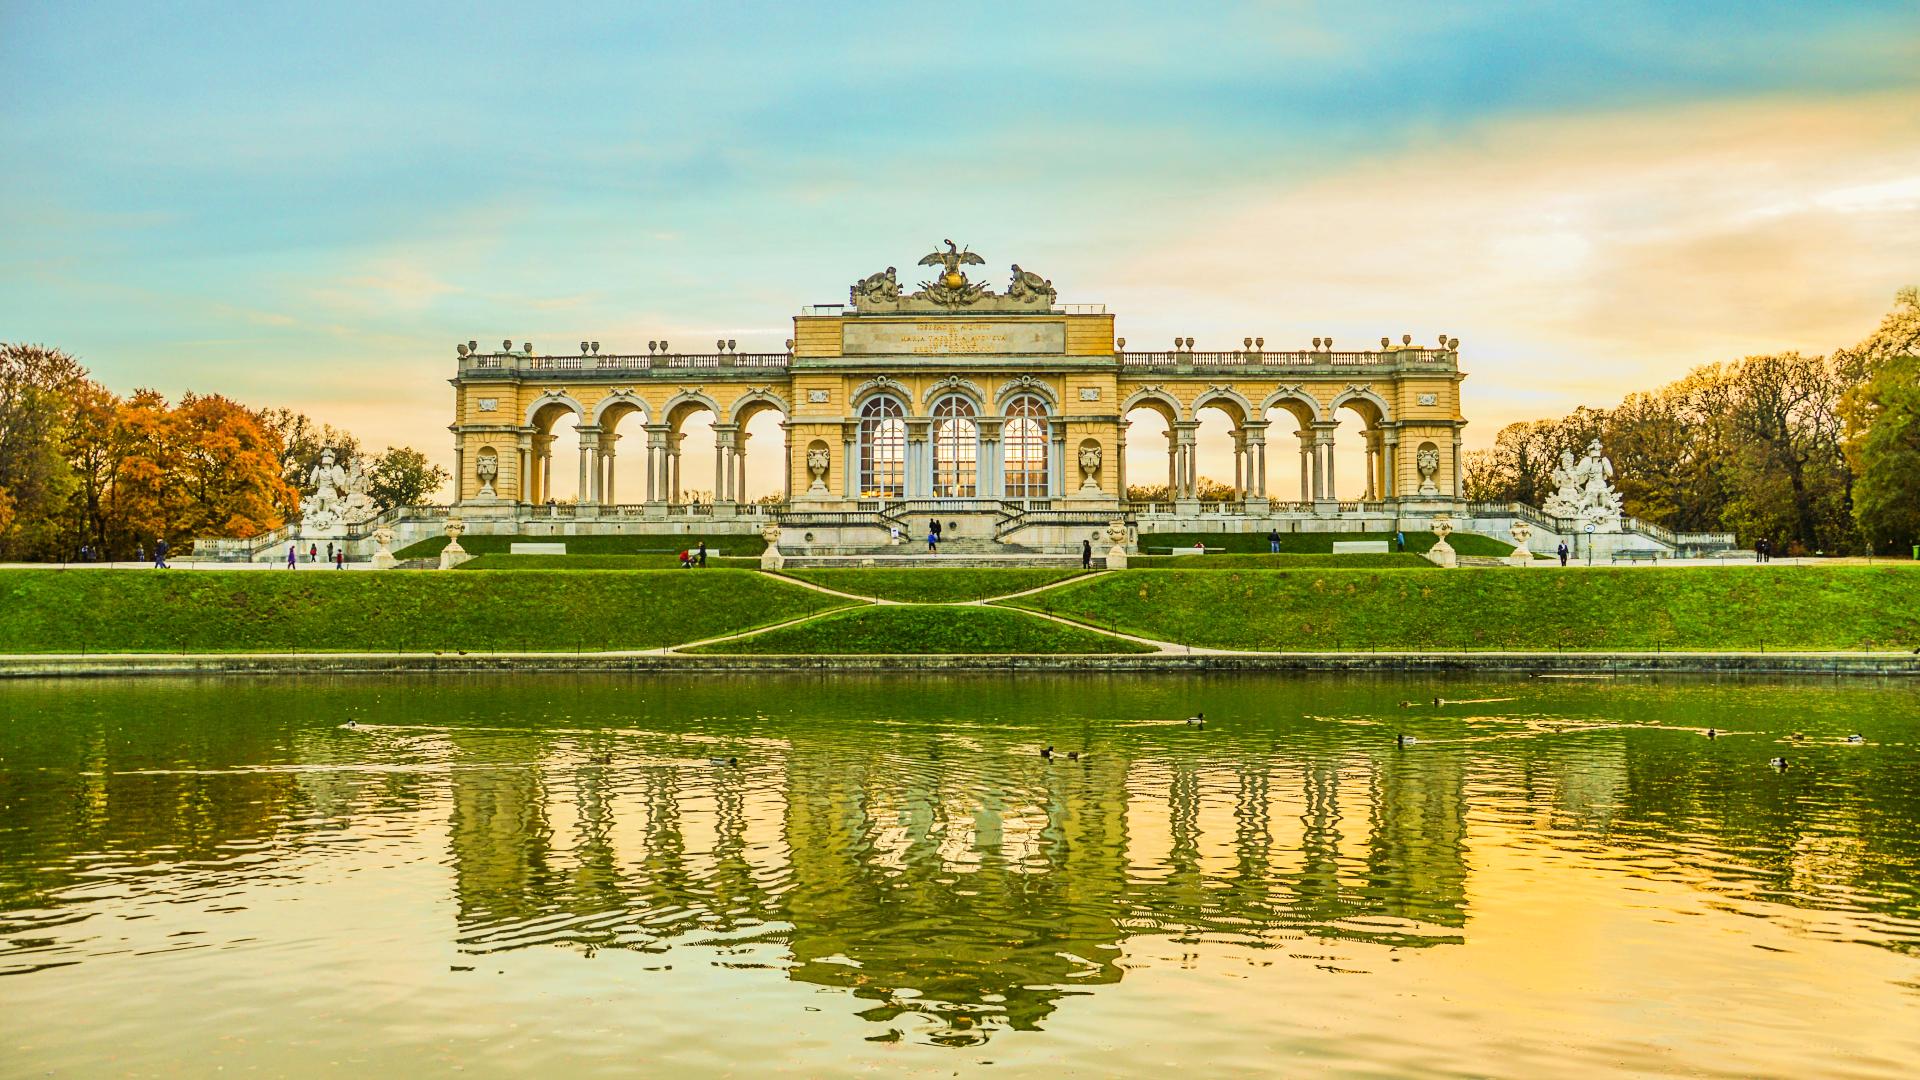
(1025, 440)
(956, 446)
(883, 449)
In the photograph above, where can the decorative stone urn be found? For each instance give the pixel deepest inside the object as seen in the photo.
(771, 559)
(453, 554)
(383, 548)
(486, 470)
(1441, 554)
(1521, 533)
(818, 458)
(1117, 554)
(1090, 469)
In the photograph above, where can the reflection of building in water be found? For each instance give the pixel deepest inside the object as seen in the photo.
(980, 887)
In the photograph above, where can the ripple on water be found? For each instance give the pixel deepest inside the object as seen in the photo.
(513, 874)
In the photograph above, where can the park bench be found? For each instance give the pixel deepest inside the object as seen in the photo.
(1636, 556)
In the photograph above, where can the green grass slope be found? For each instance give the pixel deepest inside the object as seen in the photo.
(732, 544)
(922, 630)
(324, 610)
(1317, 543)
(933, 585)
(1405, 560)
(599, 562)
(1543, 608)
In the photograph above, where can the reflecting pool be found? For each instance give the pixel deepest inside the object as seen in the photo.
(688, 876)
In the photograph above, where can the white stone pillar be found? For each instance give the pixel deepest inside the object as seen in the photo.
(850, 462)
(459, 473)
(586, 493)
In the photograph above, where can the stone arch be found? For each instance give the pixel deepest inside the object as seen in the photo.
(1157, 399)
(1364, 401)
(1227, 400)
(1304, 407)
(879, 384)
(956, 385)
(684, 404)
(610, 410)
(755, 401)
(545, 409)
(1025, 384)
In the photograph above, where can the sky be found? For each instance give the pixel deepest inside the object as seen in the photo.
(309, 205)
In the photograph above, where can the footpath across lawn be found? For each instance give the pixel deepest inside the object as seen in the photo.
(1405, 560)
(1538, 608)
(933, 584)
(328, 611)
(925, 630)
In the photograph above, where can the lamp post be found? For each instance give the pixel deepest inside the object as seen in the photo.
(1591, 528)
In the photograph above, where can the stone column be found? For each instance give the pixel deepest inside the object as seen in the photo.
(1309, 472)
(1256, 441)
(1326, 499)
(656, 463)
(740, 465)
(1059, 473)
(589, 469)
(1187, 432)
(850, 460)
(1389, 464)
(673, 467)
(522, 470)
(919, 482)
(460, 472)
(990, 479)
(1120, 461)
(1455, 492)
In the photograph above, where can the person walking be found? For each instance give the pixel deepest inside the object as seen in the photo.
(1086, 554)
(140, 552)
(1760, 550)
(1273, 541)
(1563, 552)
(933, 527)
(293, 557)
(933, 539)
(313, 553)
(329, 551)
(160, 553)
(339, 558)
(703, 553)
(1399, 540)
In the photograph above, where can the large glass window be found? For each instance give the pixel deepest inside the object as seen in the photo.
(883, 449)
(956, 448)
(1025, 439)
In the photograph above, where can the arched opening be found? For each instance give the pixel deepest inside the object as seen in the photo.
(1289, 440)
(551, 475)
(1220, 451)
(690, 440)
(623, 468)
(883, 449)
(956, 448)
(761, 449)
(1152, 469)
(1358, 456)
(1024, 442)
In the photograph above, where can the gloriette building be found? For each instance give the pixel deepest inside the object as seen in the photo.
(1004, 412)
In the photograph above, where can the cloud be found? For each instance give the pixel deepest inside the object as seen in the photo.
(1577, 257)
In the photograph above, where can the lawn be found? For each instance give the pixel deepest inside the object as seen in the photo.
(932, 629)
(333, 611)
(1539, 608)
(1405, 560)
(731, 543)
(933, 585)
(599, 562)
(1318, 543)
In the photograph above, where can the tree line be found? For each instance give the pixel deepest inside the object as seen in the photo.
(82, 468)
(1813, 453)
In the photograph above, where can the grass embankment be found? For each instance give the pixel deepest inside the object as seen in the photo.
(934, 585)
(1544, 608)
(731, 543)
(600, 562)
(327, 611)
(1404, 560)
(925, 630)
(1318, 543)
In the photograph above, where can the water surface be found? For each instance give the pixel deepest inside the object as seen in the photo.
(520, 874)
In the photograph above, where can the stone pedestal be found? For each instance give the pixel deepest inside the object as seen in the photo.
(1116, 557)
(771, 559)
(1521, 533)
(1442, 554)
(453, 554)
(382, 549)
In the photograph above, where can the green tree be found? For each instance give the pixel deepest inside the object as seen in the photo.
(36, 389)
(403, 477)
(1883, 420)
